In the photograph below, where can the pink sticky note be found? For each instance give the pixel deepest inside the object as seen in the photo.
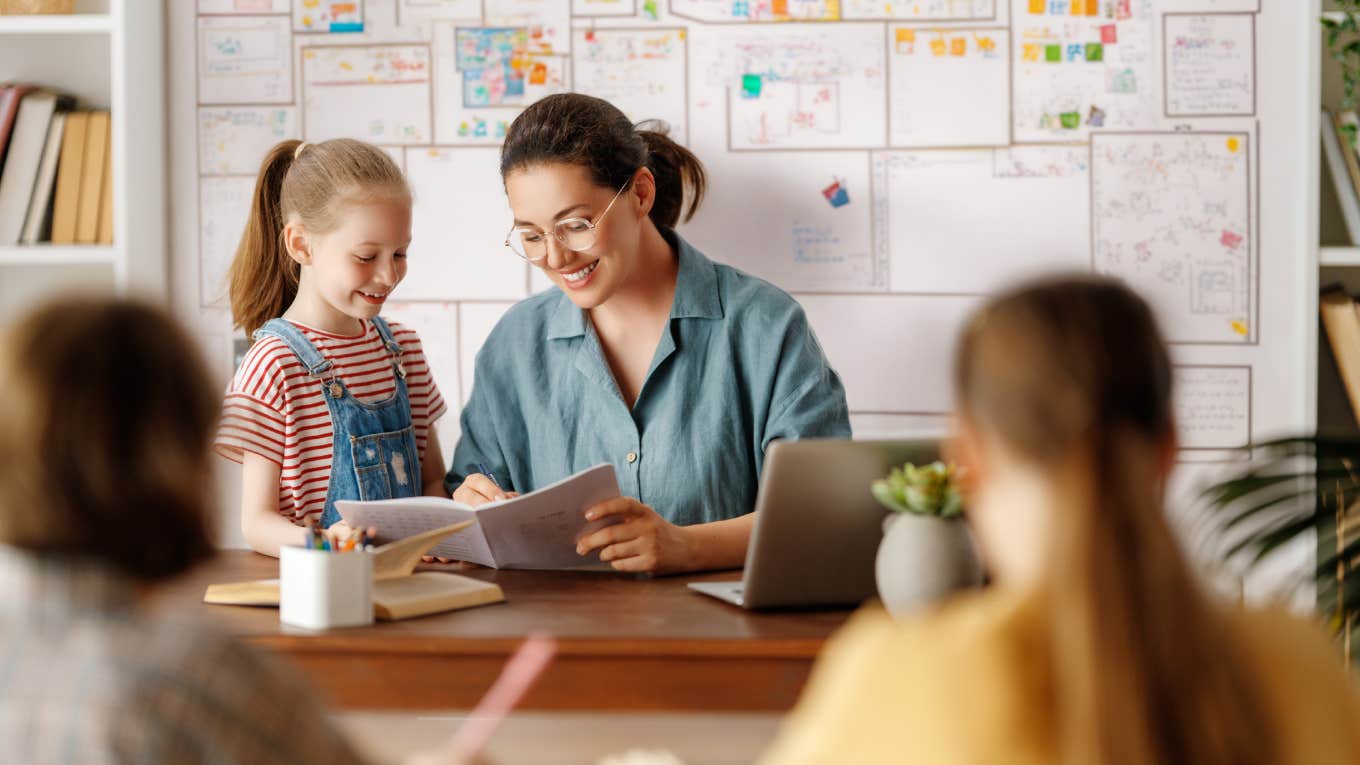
(1109, 34)
(1230, 240)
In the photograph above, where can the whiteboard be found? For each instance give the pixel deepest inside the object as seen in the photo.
(888, 188)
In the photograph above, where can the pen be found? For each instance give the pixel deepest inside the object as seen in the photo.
(481, 468)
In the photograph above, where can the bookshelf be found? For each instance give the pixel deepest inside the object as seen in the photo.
(109, 54)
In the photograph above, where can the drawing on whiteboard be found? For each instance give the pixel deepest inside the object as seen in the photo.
(972, 221)
(1212, 406)
(949, 87)
(223, 7)
(720, 11)
(244, 59)
(641, 71)
(328, 16)
(498, 69)
(233, 140)
(793, 87)
(919, 10)
(546, 23)
(1171, 216)
(1210, 64)
(379, 93)
(1077, 69)
(223, 205)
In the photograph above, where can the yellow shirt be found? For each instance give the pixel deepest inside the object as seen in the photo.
(969, 684)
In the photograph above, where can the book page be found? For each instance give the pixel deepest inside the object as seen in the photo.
(401, 518)
(539, 530)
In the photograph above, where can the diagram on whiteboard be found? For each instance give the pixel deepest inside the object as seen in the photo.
(1171, 215)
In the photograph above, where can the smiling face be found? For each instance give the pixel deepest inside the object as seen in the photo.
(541, 195)
(349, 272)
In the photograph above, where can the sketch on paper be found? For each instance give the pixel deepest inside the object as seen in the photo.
(1210, 64)
(641, 71)
(1171, 215)
(378, 93)
(233, 140)
(244, 60)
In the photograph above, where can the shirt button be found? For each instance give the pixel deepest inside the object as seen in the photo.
(632, 457)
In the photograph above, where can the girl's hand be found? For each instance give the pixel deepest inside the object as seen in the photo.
(478, 489)
(338, 533)
(642, 542)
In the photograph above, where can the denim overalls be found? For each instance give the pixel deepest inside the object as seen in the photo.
(374, 452)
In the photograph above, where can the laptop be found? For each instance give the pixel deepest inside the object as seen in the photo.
(817, 527)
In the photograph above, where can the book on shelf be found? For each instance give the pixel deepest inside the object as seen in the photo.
(1341, 321)
(91, 177)
(9, 107)
(67, 198)
(38, 222)
(32, 125)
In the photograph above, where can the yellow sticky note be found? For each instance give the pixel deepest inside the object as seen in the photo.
(1037, 6)
(1240, 327)
(938, 47)
(1234, 145)
(347, 66)
(958, 46)
(906, 35)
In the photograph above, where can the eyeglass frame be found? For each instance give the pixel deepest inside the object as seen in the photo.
(590, 226)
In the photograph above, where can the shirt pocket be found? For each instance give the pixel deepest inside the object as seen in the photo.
(384, 465)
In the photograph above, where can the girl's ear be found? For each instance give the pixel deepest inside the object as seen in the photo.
(643, 191)
(295, 241)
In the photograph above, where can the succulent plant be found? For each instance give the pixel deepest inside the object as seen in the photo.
(927, 490)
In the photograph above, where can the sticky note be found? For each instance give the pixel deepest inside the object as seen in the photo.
(1078, 7)
(958, 46)
(649, 8)
(1037, 6)
(1240, 327)
(1076, 51)
(1053, 53)
(1095, 52)
(1234, 145)
(1070, 120)
(905, 42)
(1029, 52)
(1109, 34)
(347, 26)
(985, 44)
(780, 7)
(1230, 239)
(836, 195)
(750, 86)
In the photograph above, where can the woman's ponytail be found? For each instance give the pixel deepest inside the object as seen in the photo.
(678, 174)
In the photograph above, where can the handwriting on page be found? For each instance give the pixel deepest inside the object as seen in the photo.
(1210, 65)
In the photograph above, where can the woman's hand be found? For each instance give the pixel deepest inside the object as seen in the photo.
(641, 542)
(478, 489)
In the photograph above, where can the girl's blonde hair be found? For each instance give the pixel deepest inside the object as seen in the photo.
(1072, 375)
(313, 181)
(104, 444)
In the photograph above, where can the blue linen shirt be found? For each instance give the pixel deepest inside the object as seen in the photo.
(737, 367)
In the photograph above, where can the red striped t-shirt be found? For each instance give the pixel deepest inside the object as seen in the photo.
(276, 410)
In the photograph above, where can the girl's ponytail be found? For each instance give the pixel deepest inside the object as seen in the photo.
(678, 174)
(263, 278)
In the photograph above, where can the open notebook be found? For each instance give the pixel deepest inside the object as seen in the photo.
(399, 591)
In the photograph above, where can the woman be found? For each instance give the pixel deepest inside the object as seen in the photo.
(1095, 644)
(677, 370)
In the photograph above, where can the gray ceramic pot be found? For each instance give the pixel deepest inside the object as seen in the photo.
(923, 558)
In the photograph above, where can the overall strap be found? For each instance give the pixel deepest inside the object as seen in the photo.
(393, 346)
(298, 343)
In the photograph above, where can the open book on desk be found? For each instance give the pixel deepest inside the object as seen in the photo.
(537, 530)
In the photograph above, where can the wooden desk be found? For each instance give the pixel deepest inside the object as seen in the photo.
(624, 644)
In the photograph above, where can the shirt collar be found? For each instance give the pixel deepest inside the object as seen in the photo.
(696, 293)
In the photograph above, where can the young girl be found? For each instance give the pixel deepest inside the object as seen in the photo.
(676, 369)
(104, 447)
(1095, 644)
(331, 402)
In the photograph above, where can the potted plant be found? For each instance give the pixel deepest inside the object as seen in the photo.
(926, 551)
(1294, 488)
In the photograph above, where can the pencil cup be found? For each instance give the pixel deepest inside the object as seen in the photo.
(320, 589)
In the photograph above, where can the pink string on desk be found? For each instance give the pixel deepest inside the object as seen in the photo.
(519, 674)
